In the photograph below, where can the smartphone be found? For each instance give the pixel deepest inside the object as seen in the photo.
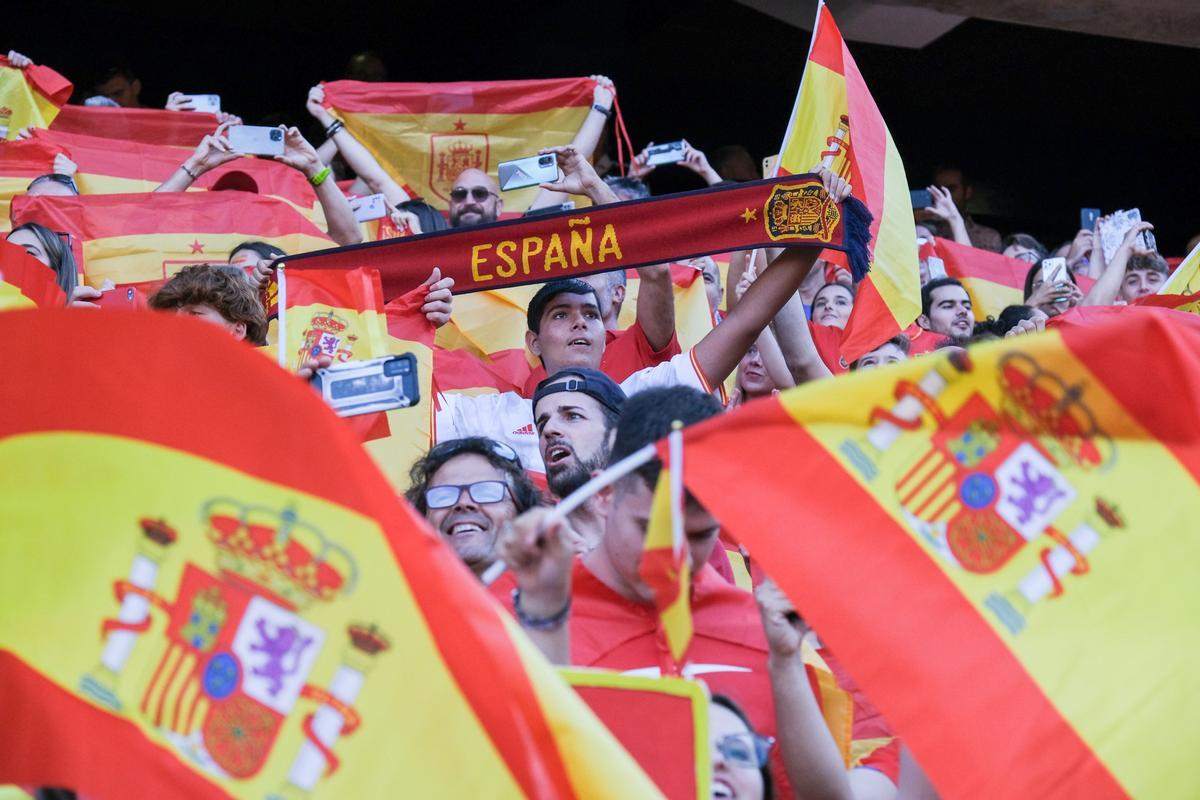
(669, 153)
(256, 140)
(769, 165)
(208, 103)
(1088, 217)
(121, 298)
(363, 387)
(368, 208)
(1054, 270)
(921, 198)
(1148, 241)
(537, 212)
(936, 267)
(528, 171)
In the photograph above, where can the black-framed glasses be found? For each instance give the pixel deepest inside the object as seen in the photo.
(448, 494)
(748, 750)
(480, 193)
(57, 177)
(65, 238)
(453, 447)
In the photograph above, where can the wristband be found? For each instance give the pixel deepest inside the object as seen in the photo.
(188, 172)
(602, 109)
(334, 127)
(319, 178)
(551, 623)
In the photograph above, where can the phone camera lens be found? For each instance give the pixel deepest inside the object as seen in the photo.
(276, 135)
(545, 161)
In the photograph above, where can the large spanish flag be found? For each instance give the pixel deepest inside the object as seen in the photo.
(146, 125)
(213, 593)
(107, 166)
(425, 134)
(29, 97)
(20, 162)
(26, 282)
(1000, 547)
(835, 120)
(147, 238)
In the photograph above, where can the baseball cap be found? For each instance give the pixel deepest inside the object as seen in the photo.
(592, 382)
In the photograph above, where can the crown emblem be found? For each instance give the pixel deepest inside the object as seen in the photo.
(328, 322)
(368, 639)
(278, 551)
(1041, 403)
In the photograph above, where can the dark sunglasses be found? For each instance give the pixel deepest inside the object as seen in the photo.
(480, 193)
(447, 495)
(65, 180)
(748, 750)
(451, 448)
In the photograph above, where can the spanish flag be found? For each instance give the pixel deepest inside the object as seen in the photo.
(107, 166)
(999, 546)
(145, 125)
(26, 282)
(20, 162)
(425, 134)
(665, 557)
(213, 593)
(1186, 277)
(29, 97)
(993, 281)
(835, 121)
(147, 238)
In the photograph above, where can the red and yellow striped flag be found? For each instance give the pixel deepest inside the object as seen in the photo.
(835, 120)
(214, 593)
(145, 125)
(147, 238)
(999, 547)
(29, 97)
(425, 134)
(665, 567)
(26, 282)
(108, 166)
(20, 162)
(993, 281)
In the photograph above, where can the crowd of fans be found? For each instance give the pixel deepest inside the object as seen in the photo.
(603, 392)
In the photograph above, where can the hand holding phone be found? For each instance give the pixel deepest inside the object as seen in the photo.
(921, 198)
(256, 140)
(669, 153)
(373, 206)
(529, 171)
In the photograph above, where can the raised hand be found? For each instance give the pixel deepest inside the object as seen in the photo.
(316, 105)
(784, 628)
(604, 92)
(697, 162)
(943, 205)
(178, 101)
(640, 166)
(836, 187)
(298, 153)
(539, 551)
(19, 61)
(578, 176)
(438, 298)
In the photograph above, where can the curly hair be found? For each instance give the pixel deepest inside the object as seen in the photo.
(222, 288)
(525, 494)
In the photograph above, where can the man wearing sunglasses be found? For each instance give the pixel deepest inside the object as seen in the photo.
(474, 200)
(468, 489)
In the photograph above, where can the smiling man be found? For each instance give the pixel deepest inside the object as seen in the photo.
(946, 309)
(467, 489)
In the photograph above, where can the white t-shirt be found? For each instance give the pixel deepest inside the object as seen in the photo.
(508, 417)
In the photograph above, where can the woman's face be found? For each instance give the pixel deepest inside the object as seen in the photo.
(832, 306)
(881, 356)
(32, 244)
(730, 780)
(752, 376)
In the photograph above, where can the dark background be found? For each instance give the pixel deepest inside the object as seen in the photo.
(1045, 122)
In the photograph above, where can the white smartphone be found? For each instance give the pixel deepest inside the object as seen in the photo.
(769, 165)
(1054, 270)
(256, 140)
(528, 171)
(936, 267)
(208, 103)
(669, 153)
(368, 208)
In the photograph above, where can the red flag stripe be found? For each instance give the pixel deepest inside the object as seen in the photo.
(464, 97)
(937, 620)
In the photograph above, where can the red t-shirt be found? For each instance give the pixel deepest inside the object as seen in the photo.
(625, 352)
(728, 650)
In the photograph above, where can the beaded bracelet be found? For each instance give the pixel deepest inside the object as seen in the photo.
(539, 623)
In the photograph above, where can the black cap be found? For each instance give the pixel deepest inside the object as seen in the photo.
(592, 382)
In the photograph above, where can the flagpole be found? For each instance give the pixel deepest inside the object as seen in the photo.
(281, 315)
(675, 473)
(580, 496)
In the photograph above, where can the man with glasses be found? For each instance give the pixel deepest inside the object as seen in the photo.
(474, 200)
(468, 489)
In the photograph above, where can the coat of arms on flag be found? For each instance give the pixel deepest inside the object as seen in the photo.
(450, 154)
(236, 656)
